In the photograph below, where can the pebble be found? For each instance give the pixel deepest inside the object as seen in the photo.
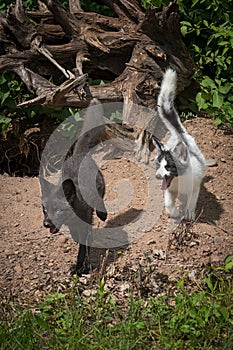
(155, 285)
(85, 279)
(217, 240)
(18, 269)
(34, 277)
(152, 241)
(89, 292)
(211, 162)
(67, 250)
(159, 253)
(62, 240)
(192, 274)
(124, 287)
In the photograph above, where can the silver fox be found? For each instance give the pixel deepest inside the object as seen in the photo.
(80, 190)
(179, 162)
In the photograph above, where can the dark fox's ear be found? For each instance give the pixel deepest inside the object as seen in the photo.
(69, 190)
(158, 145)
(46, 186)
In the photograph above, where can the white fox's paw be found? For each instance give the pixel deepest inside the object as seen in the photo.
(190, 214)
(173, 212)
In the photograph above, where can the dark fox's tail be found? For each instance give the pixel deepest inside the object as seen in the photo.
(93, 127)
(166, 98)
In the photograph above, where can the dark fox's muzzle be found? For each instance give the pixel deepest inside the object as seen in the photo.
(49, 224)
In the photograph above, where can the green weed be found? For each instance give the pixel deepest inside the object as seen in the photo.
(202, 319)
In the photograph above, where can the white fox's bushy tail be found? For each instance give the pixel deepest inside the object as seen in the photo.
(166, 98)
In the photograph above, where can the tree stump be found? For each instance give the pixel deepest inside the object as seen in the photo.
(59, 54)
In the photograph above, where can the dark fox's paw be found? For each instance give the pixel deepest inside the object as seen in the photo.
(80, 270)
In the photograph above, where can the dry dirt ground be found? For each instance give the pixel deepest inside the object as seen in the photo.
(35, 263)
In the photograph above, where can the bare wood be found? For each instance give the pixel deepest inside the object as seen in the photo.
(56, 95)
(129, 51)
(75, 6)
(127, 8)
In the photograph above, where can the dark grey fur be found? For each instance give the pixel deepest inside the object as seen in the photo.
(81, 190)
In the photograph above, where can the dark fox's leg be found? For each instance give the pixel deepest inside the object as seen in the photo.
(83, 265)
(81, 259)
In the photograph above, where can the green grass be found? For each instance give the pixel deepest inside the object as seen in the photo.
(202, 319)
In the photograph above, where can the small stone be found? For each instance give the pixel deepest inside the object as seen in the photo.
(83, 280)
(34, 277)
(152, 241)
(217, 240)
(18, 269)
(155, 286)
(124, 287)
(89, 293)
(211, 162)
(192, 274)
(62, 240)
(223, 160)
(159, 253)
(67, 250)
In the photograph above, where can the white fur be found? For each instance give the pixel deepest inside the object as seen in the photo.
(187, 186)
(161, 172)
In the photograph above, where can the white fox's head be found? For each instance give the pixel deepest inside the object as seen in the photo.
(169, 163)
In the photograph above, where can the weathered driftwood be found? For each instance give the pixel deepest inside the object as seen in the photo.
(58, 52)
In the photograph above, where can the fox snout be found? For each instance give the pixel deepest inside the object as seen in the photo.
(49, 224)
(159, 176)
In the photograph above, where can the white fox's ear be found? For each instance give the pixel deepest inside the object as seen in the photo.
(69, 190)
(180, 151)
(158, 145)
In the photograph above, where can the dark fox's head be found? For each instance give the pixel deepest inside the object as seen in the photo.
(57, 203)
(170, 163)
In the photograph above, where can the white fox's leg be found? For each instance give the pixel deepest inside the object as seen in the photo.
(170, 205)
(190, 212)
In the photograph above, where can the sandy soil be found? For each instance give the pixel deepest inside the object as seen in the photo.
(34, 262)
